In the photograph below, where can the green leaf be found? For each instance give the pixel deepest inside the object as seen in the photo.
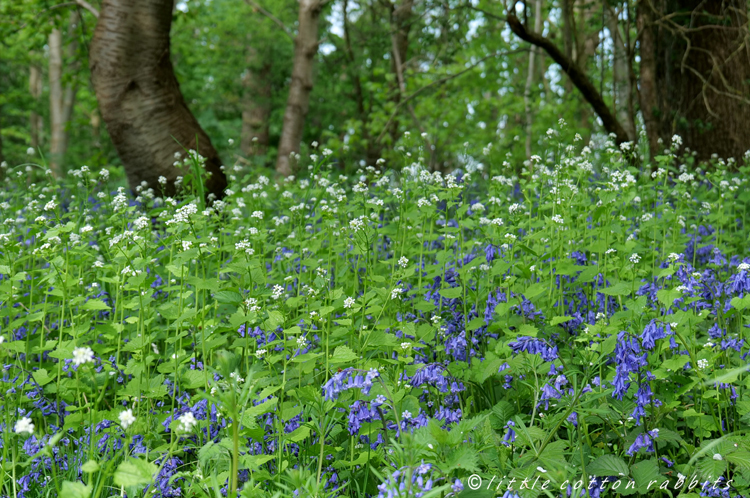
(534, 290)
(41, 376)
(741, 459)
(134, 472)
(740, 303)
(644, 472)
(90, 466)
(228, 297)
(560, 319)
(75, 490)
(94, 305)
(667, 297)
(252, 462)
(675, 362)
(621, 289)
(711, 469)
(275, 319)
(452, 293)
(608, 465)
(343, 354)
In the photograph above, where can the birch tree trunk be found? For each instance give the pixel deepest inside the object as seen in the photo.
(298, 102)
(139, 97)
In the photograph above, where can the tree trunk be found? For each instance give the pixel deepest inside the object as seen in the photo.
(35, 120)
(533, 53)
(62, 99)
(702, 74)
(401, 15)
(647, 94)
(305, 48)
(139, 97)
(620, 76)
(256, 105)
(56, 107)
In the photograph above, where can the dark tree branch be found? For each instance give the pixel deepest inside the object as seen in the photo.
(576, 75)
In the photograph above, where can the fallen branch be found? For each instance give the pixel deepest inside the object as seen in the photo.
(576, 75)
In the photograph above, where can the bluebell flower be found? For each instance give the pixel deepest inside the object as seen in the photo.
(534, 346)
(643, 440)
(348, 378)
(510, 435)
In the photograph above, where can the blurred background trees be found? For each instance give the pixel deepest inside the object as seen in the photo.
(266, 78)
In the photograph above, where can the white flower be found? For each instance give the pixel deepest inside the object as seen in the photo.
(702, 364)
(558, 219)
(634, 258)
(30, 151)
(277, 291)
(186, 244)
(126, 418)
(743, 267)
(348, 302)
(260, 353)
(406, 415)
(403, 261)
(187, 422)
(83, 355)
(24, 425)
(405, 345)
(396, 293)
(257, 214)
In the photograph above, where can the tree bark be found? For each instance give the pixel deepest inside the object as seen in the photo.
(139, 96)
(702, 74)
(577, 76)
(62, 98)
(36, 123)
(620, 76)
(401, 16)
(256, 104)
(305, 47)
(530, 77)
(647, 94)
(56, 106)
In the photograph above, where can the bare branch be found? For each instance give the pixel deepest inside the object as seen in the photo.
(89, 7)
(438, 83)
(576, 75)
(272, 17)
